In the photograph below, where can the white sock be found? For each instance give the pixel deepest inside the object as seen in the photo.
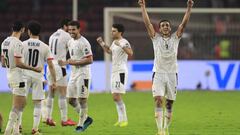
(121, 109)
(17, 124)
(13, 116)
(49, 107)
(167, 118)
(159, 118)
(44, 112)
(62, 103)
(83, 114)
(20, 118)
(36, 115)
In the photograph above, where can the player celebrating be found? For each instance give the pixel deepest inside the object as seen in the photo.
(36, 53)
(79, 82)
(165, 47)
(120, 50)
(58, 45)
(12, 53)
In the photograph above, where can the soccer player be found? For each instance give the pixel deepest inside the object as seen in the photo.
(58, 45)
(12, 53)
(79, 82)
(120, 50)
(165, 45)
(36, 53)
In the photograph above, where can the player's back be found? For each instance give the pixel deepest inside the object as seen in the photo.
(12, 47)
(36, 53)
(58, 44)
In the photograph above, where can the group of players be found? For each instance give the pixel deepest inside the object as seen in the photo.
(24, 62)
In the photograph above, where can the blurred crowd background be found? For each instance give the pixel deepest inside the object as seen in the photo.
(207, 36)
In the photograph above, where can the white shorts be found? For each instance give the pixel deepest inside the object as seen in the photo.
(37, 88)
(165, 84)
(78, 86)
(19, 88)
(61, 76)
(118, 82)
(17, 82)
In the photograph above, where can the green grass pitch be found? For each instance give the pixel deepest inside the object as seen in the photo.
(195, 113)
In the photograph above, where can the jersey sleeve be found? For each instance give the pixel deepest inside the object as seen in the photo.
(156, 38)
(126, 44)
(48, 53)
(174, 35)
(87, 49)
(18, 50)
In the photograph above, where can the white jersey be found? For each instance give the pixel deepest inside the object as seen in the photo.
(36, 53)
(58, 44)
(165, 53)
(80, 49)
(12, 47)
(119, 56)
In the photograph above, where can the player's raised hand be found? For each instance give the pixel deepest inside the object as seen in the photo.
(141, 2)
(100, 41)
(190, 3)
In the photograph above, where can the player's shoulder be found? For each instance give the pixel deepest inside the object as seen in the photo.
(124, 40)
(84, 40)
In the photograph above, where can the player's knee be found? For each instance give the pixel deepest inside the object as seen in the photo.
(72, 102)
(158, 101)
(51, 94)
(169, 105)
(117, 97)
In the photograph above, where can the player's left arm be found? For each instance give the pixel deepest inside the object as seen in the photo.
(185, 20)
(84, 61)
(126, 48)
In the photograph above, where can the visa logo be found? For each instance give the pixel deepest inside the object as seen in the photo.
(223, 79)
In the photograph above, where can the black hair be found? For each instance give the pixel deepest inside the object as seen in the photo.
(165, 20)
(74, 23)
(119, 27)
(17, 26)
(34, 27)
(64, 22)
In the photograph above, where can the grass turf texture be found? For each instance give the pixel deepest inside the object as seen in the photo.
(195, 113)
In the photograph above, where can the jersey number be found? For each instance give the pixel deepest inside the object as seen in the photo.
(33, 57)
(6, 58)
(54, 46)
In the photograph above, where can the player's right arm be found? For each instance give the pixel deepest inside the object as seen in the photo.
(147, 22)
(18, 52)
(20, 64)
(3, 61)
(105, 47)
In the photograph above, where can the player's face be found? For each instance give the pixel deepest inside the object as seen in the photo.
(115, 33)
(165, 28)
(73, 31)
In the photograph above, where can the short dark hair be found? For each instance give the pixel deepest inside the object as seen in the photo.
(34, 27)
(17, 26)
(64, 22)
(165, 20)
(119, 27)
(74, 23)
